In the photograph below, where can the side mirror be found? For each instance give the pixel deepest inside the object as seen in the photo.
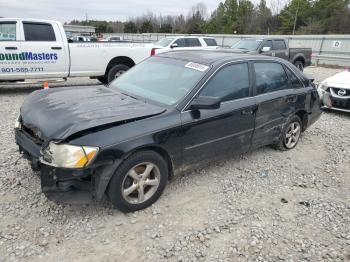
(205, 102)
(174, 45)
(265, 49)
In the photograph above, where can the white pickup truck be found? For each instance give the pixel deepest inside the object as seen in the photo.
(38, 49)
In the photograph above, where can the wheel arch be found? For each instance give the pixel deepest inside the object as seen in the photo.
(158, 149)
(119, 60)
(299, 57)
(303, 115)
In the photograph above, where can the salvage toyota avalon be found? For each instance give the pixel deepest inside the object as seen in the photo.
(169, 112)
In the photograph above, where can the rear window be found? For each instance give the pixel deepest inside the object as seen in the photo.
(38, 32)
(269, 77)
(192, 42)
(210, 41)
(294, 80)
(279, 45)
(8, 31)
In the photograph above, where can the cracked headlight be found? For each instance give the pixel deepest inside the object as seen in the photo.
(68, 156)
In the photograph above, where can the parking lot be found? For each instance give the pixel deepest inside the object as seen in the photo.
(265, 205)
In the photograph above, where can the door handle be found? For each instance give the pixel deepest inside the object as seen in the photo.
(11, 48)
(56, 48)
(248, 111)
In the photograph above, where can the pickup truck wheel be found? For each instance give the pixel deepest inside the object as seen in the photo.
(138, 182)
(290, 135)
(299, 65)
(102, 79)
(116, 71)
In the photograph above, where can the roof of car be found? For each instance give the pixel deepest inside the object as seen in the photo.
(188, 36)
(211, 57)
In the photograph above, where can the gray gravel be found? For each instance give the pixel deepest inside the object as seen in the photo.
(265, 205)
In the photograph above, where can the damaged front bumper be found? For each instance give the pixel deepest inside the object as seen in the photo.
(66, 185)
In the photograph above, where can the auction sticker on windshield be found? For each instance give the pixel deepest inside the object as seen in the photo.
(197, 66)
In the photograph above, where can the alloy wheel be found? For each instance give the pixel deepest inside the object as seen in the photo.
(141, 183)
(292, 135)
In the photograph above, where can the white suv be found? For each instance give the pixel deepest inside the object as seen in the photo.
(185, 43)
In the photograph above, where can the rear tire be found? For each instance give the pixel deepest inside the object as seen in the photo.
(116, 71)
(290, 134)
(138, 182)
(300, 65)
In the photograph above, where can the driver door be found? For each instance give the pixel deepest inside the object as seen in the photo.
(210, 133)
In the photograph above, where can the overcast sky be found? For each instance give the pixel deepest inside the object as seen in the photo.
(66, 10)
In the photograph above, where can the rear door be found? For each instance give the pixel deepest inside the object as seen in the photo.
(275, 101)
(44, 50)
(227, 130)
(280, 49)
(11, 62)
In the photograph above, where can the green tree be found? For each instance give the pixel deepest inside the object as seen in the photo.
(294, 15)
(146, 27)
(130, 27)
(245, 13)
(263, 18)
(166, 28)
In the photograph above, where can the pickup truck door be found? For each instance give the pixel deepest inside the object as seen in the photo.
(280, 49)
(11, 65)
(45, 50)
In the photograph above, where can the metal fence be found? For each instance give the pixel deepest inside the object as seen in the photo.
(330, 50)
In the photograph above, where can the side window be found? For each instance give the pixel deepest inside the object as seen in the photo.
(38, 32)
(231, 82)
(180, 42)
(279, 45)
(192, 42)
(210, 41)
(269, 77)
(295, 82)
(268, 43)
(7, 31)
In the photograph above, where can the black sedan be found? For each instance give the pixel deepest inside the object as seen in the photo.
(171, 111)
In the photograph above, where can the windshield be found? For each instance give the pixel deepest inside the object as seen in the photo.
(248, 44)
(162, 80)
(164, 42)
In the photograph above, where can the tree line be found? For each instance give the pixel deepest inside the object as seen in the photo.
(242, 17)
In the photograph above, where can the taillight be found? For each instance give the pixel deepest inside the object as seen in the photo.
(153, 51)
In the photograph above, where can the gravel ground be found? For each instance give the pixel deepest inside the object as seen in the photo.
(265, 205)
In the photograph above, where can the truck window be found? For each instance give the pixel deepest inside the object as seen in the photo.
(268, 43)
(279, 45)
(192, 42)
(7, 31)
(38, 32)
(210, 41)
(269, 77)
(180, 42)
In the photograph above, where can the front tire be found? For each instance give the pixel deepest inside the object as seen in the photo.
(290, 134)
(116, 71)
(138, 182)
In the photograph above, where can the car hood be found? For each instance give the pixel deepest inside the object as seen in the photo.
(340, 80)
(56, 114)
